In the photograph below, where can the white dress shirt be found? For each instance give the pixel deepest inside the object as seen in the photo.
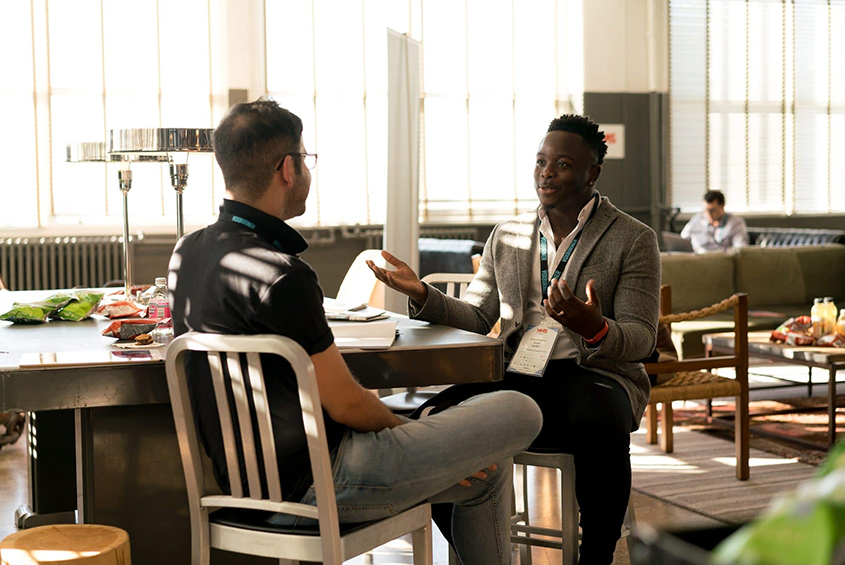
(564, 348)
(705, 237)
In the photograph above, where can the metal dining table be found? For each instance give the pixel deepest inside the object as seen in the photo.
(102, 436)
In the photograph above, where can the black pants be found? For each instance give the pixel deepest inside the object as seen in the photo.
(589, 416)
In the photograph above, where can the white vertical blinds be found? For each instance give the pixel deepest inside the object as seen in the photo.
(757, 104)
(495, 73)
(74, 70)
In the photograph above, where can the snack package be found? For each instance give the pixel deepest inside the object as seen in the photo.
(21, 313)
(57, 301)
(831, 340)
(120, 309)
(795, 331)
(129, 328)
(85, 304)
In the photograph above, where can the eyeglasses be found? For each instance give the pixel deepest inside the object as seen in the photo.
(310, 160)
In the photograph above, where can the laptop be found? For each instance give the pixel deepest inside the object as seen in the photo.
(674, 242)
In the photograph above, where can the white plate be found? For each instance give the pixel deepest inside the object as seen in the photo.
(133, 345)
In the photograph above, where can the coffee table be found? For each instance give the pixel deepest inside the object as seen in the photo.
(830, 358)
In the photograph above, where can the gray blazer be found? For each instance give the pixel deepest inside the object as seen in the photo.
(616, 250)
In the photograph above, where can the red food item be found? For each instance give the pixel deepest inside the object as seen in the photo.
(799, 339)
(121, 309)
(129, 328)
(831, 340)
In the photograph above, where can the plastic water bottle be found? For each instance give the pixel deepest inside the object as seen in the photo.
(159, 306)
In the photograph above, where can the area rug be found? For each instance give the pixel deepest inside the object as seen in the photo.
(807, 426)
(700, 476)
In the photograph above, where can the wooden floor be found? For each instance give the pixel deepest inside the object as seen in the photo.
(543, 509)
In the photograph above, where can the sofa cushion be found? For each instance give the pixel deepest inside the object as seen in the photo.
(790, 276)
(697, 280)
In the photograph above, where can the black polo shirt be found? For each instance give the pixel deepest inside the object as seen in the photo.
(243, 275)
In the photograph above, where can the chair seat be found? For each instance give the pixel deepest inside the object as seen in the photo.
(257, 520)
(693, 385)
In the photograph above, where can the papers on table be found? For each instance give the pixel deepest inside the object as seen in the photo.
(352, 312)
(364, 335)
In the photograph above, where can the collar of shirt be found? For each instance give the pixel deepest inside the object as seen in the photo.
(546, 230)
(290, 239)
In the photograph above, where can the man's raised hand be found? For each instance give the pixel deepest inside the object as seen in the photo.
(402, 278)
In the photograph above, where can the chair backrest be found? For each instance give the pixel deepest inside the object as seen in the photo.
(360, 285)
(225, 355)
(456, 283)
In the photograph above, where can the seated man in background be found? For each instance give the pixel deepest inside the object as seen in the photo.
(576, 284)
(243, 275)
(714, 229)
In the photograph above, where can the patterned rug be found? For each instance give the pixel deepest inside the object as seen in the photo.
(788, 417)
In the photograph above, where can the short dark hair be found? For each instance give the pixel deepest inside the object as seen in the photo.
(712, 196)
(586, 128)
(251, 140)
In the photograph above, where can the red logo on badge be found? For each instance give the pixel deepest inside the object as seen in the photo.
(543, 330)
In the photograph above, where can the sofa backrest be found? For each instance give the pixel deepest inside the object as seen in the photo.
(697, 280)
(790, 276)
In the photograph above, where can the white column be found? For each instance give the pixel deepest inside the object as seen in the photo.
(401, 227)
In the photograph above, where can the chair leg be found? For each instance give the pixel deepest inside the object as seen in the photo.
(666, 422)
(568, 515)
(742, 437)
(421, 542)
(630, 525)
(520, 501)
(651, 424)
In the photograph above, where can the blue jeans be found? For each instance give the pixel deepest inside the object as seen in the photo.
(379, 474)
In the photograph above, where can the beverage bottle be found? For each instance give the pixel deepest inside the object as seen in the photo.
(840, 323)
(159, 308)
(831, 314)
(817, 313)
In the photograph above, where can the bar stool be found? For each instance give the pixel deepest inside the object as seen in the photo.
(565, 539)
(88, 544)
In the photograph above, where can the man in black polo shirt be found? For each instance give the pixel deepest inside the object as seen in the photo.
(243, 275)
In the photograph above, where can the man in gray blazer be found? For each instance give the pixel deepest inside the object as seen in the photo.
(601, 301)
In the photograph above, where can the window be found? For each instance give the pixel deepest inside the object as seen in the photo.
(79, 70)
(757, 104)
(495, 72)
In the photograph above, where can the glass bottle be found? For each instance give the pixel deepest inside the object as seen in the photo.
(817, 313)
(840, 323)
(830, 314)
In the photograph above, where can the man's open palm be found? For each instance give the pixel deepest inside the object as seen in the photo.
(402, 279)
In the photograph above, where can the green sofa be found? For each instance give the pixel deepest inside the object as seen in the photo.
(777, 279)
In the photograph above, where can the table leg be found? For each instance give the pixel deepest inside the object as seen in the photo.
(84, 466)
(809, 382)
(831, 406)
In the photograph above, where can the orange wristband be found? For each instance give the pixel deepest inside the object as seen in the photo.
(598, 337)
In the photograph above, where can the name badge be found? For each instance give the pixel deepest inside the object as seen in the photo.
(535, 350)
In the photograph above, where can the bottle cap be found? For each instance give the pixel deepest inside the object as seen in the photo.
(160, 281)
(828, 299)
(815, 300)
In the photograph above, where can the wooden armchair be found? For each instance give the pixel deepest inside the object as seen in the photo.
(693, 379)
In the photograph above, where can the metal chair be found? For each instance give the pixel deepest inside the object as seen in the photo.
(565, 539)
(408, 401)
(330, 543)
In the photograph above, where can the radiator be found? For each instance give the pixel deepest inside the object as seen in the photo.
(61, 262)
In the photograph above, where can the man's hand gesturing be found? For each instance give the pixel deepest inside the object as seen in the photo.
(402, 279)
(583, 318)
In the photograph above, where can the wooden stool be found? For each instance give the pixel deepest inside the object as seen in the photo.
(86, 544)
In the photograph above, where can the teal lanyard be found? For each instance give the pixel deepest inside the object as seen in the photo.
(544, 253)
(252, 225)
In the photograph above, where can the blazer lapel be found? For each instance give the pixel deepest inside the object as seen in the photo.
(605, 216)
(525, 259)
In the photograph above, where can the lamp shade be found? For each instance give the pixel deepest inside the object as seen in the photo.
(161, 140)
(96, 152)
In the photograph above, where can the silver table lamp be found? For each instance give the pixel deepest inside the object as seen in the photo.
(95, 152)
(167, 142)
